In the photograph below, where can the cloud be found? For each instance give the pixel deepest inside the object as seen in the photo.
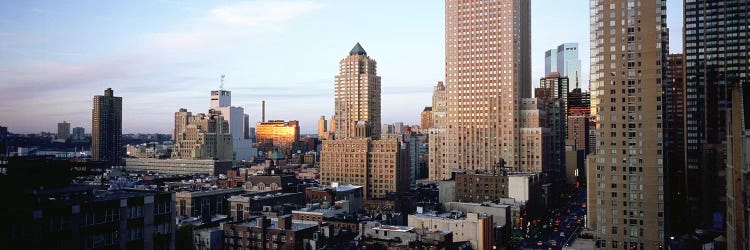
(259, 13)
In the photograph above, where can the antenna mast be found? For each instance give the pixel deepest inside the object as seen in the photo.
(221, 86)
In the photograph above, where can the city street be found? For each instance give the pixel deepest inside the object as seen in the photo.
(561, 226)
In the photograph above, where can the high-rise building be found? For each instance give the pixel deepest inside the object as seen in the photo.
(398, 128)
(626, 194)
(674, 115)
(486, 80)
(106, 128)
(322, 128)
(738, 168)
(357, 156)
(553, 91)
(63, 130)
(277, 135)
(437, 165)
(716, 57)
(79, 133)
(357, 94)
(201, 136)
(426, 118)
(239, 127)
(563, 60)
(536, 140)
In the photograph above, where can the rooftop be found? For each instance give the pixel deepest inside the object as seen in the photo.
(357, 50)
(296, 225)
(393, 228)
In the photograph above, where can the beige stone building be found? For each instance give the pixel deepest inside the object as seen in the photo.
(437, 165)
(379, 166)
(477, 229)
(425, 118)
(201, 136)
(626, 173)
(357, 94)
(487, 73)
(535, 144)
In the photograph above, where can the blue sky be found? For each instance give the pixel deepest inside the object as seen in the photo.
(164, 55)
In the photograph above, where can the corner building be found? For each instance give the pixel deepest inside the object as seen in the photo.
(626, 173)
(487, 48)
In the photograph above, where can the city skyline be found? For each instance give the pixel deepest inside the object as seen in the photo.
(170, 58)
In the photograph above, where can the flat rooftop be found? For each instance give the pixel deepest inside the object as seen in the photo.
(393, 228)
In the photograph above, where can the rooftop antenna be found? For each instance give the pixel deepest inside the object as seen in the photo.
(221, 87)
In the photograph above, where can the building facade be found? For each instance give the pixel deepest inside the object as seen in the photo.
(485, 82)
(738, 169)
(239, 128)
(277, 135)
(437, 164)
(63, 130)
(553, 91)
(379, 166)
(475, 228)
(426, 118)
(106, 128)
(716, 52)
(357, 94)
(564, 60)
(178, 166)
(626, 173)
(201, 137)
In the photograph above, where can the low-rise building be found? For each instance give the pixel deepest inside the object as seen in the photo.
(265, 233)
(247, 205)
(204, 204)
(209, 238)
(178, 166)
(474, 228)
(351, 193)
(374, 234)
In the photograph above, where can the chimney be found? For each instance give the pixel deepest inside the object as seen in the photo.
(263, 112)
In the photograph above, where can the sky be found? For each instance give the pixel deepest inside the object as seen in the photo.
(163, 55)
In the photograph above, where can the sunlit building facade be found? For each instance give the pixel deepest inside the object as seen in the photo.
(357, 94)
(276, 135)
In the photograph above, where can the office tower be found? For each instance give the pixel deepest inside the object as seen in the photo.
(553, 92)
(398, 128)
(674, 115)
(322, 128)
(564, 60)
(63, 130)
(201, 136)
(626, 173)
(738, 168)
(277, 135)
(426, 118)
(357, 94)
(579, 123)
(358, 156)
(716, 57)
(488, 72)
(536, 139)
(106, 128)
(437, 166)
(221, 102)
(78, 134)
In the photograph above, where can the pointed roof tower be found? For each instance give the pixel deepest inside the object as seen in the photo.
(357, 50)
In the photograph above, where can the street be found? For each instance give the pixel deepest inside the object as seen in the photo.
(560, 227)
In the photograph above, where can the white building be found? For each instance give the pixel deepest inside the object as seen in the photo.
(239, 127)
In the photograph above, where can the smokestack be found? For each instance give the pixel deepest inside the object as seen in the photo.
(263, 112)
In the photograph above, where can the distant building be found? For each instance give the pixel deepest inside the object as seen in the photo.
(535, 143)
(474, 228)
(238, 121)
(564, 60)
(178, 166)
(426, 118)
(437, 162)
(277, 135)
(245, 206)
(201, 136)
(106, 134)
(79, 134)
(553, 91)
(322, 128)
(63, 131)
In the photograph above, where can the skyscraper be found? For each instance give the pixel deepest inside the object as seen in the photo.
(63, 130)
(356, 155)
(106, 128)
(487, 73)
(322, 128)
(564, 60)
(553, 92)
(201, 136)
(357, 94)
(716, 57)
(674, 121)
(437, 166)
(738, 168)
(626, 173)
(425, 118)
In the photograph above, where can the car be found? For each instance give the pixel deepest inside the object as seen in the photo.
(553, 243)
(540, 243)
